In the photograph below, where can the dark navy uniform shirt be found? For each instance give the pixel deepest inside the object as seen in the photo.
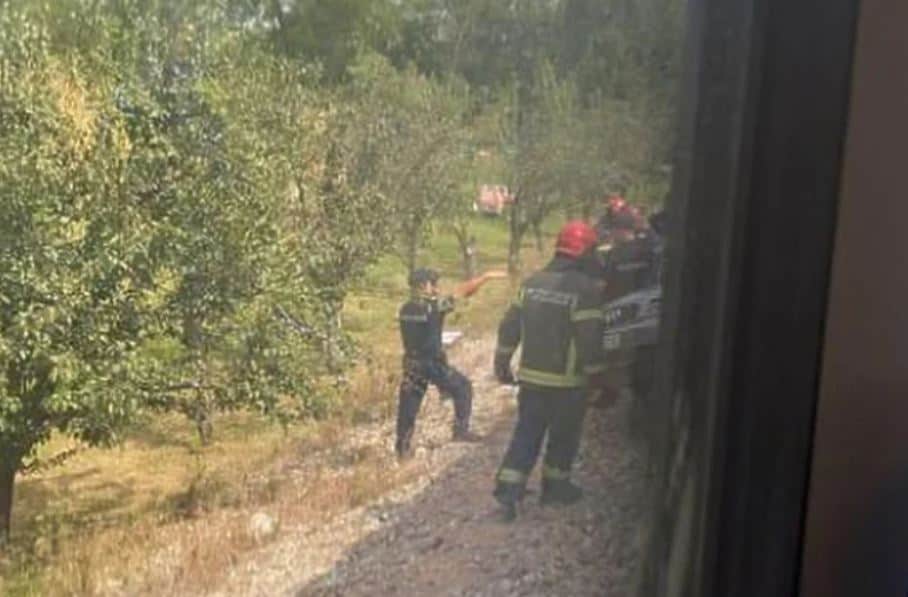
(421, 324)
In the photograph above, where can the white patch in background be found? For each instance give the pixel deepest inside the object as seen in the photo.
(448, 338)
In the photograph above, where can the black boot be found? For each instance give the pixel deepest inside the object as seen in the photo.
(404, 452)
(402, 447)
(508, 511)
(463, 434)
(508, 495)
(560, 492)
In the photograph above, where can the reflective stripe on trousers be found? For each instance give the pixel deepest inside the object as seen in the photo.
(554, 412)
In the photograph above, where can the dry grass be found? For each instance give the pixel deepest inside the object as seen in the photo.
(188, 543)
(163, 515)
(191, 544)
(192, 555)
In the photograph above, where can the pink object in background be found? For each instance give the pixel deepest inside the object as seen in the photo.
(492, 199)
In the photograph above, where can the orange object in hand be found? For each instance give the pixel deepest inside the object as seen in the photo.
(470, 287)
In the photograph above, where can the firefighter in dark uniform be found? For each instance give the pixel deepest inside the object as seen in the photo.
(630, 254)
(424, 362)
(625, 252)
(557, 318)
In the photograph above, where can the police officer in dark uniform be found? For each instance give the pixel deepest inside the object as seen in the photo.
(557, 318)
(421, 323)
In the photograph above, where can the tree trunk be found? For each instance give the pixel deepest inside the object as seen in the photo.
(514, 250)
(8, 470)
(411, 253)
(205, 427)
(467, 245)
(333, 353)
(517, 229)
(469, 261)
(200, 412)
(537, 232)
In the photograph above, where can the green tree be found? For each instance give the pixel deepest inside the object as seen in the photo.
(242, 320)
(74, 253)
(334, 34)
(539, 137)
(421, 149)
(323, 153)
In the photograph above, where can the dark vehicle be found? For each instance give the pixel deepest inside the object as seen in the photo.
(631, 334)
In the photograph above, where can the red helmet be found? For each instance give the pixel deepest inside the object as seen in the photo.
(576, 238)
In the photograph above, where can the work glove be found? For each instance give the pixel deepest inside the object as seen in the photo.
(503, 370)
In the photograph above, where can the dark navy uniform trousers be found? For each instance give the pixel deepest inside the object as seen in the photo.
(451, 383)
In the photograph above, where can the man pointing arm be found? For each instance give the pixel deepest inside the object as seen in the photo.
(424, 361)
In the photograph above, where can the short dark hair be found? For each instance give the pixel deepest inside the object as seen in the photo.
(421, 275)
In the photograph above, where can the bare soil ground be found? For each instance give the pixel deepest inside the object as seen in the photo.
(439, 533)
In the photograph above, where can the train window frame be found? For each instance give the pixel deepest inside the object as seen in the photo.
(752, 222)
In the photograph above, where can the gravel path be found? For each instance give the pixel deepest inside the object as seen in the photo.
(441, 535)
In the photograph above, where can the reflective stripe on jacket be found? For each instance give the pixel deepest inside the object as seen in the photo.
(557, 319)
